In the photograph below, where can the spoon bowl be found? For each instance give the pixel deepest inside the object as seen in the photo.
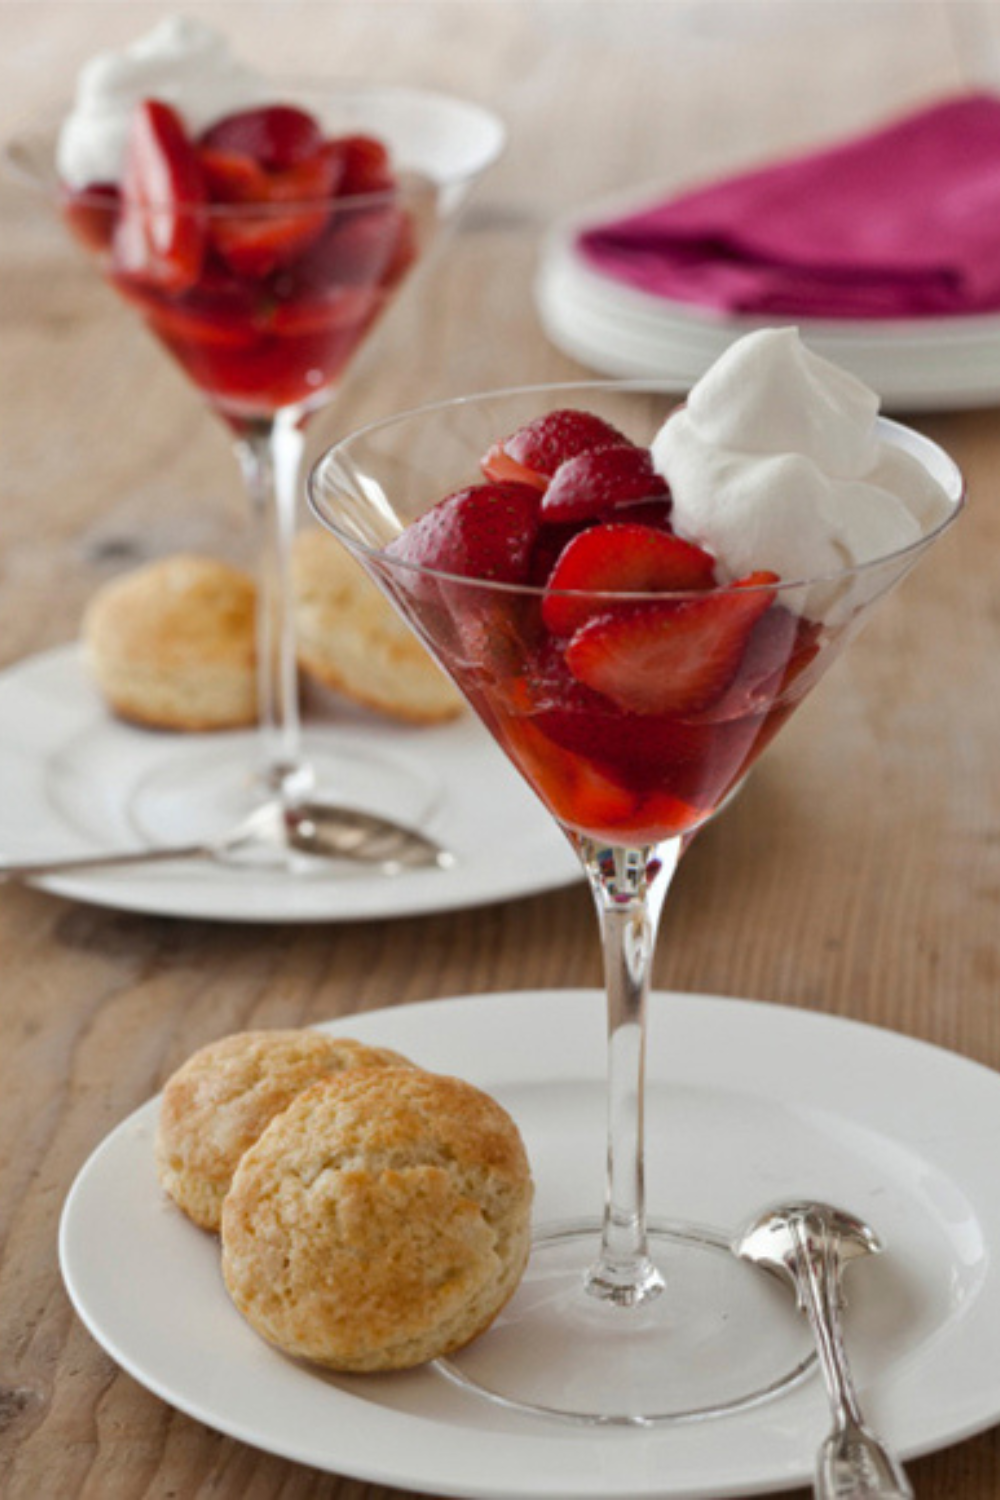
(774, 1239)
(808, 1244)
(313, 830)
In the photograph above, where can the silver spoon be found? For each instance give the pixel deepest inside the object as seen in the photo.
(311, 828)
(809, 1244)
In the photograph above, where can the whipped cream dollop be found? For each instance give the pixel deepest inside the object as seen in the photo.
(777, 462)
(182, 62)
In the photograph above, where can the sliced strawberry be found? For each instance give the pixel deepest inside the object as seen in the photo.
(367, 166)
(219, 297)
(235, 177)
(599, 479)
(576, 792)
(202, 321)
(599, 805)
(659, 757)
(620, 558)
(276, 136)
(361, 246)
(91, 213)
(309, 181)
(232, 176)
(502, 469)
(484, 532)
(647, 753)
(406, 248)
(533, 453)
(665, 816)
(761, 676)
(160, 235)
(340, 307)
(256, 243)
(671, 658)
(498, 636)
(808, 645)
(590, 797)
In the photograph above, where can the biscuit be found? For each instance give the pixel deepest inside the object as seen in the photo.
(172, 645)
(351, 639)
(383, 1220)
(217, 1104)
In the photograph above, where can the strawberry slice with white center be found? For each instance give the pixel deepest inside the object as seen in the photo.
(160, 235)
(620, 558)
(533, 453)
(599, 479)
(678, 657)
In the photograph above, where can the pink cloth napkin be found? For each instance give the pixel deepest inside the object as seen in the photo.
(904, 222)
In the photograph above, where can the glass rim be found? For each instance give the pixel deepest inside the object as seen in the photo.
(956, 494)
(48, 185)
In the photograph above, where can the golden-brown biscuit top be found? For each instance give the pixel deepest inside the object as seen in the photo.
(380, 1221)
(177, 609)
(218, 1103)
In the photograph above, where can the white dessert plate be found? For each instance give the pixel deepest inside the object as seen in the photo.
(71, 775)
(620, 330)
(747, 1103)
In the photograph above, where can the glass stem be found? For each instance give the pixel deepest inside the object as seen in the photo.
(629, 888)
(270, 454)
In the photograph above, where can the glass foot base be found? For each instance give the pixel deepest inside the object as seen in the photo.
(721, 1336)
(204, 791)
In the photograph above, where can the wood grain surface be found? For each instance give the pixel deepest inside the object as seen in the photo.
(858, 875)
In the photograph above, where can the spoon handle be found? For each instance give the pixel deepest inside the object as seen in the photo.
(853, 1464)
(102, 861)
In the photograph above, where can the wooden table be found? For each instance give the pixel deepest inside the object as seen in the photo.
(859, 874)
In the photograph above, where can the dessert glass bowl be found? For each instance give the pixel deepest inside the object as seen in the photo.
(620, 1319)
(265, 305)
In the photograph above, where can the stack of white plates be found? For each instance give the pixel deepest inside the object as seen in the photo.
(914, 364)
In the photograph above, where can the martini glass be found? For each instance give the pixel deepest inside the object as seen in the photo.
(265, 304)
(620, 1318)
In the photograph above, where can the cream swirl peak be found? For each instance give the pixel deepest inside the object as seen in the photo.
(776, 462)
(182, 62)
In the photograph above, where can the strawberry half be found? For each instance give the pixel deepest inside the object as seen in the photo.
(600, 479)
(620, 557)
(533, 453)
(276, 136)
(484, 532)
(160, 235)
(671, 658)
